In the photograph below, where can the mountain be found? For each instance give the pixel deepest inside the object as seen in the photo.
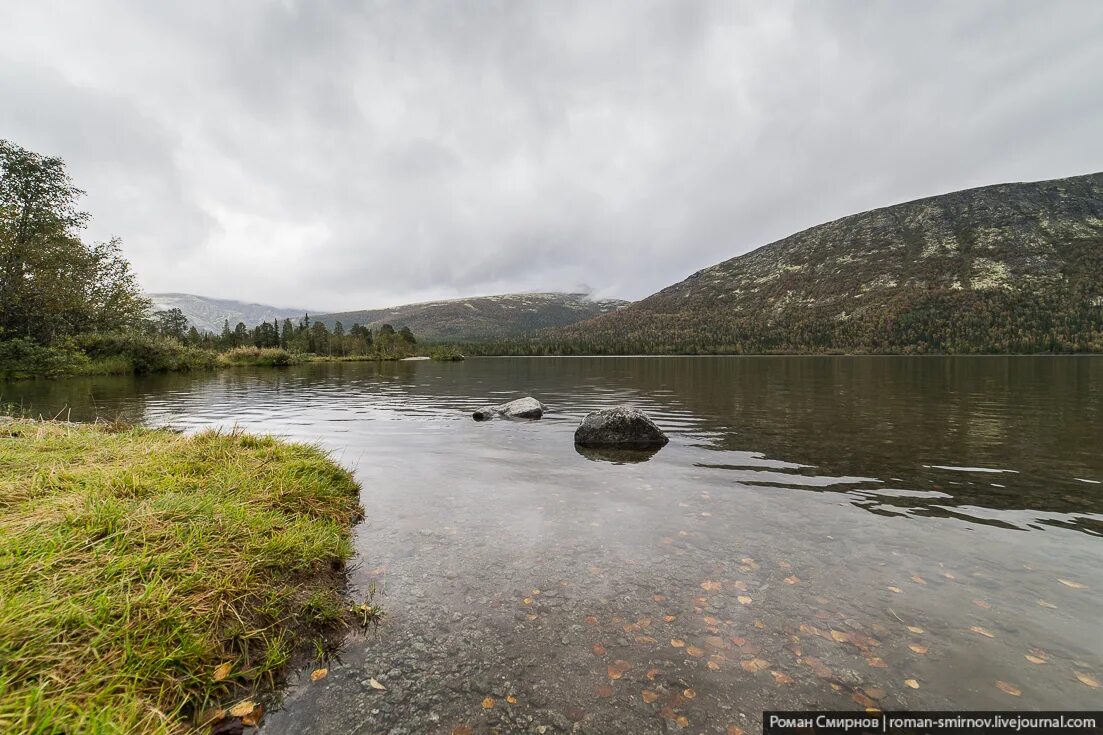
(1006, 268)
(481, 318)
(208, 315)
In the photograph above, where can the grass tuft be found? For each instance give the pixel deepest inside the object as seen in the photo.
(134, 561)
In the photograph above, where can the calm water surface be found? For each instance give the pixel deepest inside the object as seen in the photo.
(820, 532)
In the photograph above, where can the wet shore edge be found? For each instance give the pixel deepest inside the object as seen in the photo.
(160, 582)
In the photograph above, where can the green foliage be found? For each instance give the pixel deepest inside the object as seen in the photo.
(146, 353)
(26, 358)
(52, 284)
(256, 356)
(137, 561)
(446, 353)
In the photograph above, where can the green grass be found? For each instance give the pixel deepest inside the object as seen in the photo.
(133, 562)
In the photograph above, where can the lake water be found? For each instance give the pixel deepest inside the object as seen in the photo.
(835, 532)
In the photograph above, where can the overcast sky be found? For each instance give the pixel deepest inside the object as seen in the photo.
(340, 155)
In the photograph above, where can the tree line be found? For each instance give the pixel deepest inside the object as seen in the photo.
(71, 306)
(302, 336)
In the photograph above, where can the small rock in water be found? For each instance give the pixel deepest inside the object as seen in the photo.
(621, 426)
(523, 408)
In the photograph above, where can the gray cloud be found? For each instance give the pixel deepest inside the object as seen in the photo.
(347, 155)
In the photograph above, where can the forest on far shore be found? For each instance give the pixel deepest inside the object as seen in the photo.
(68, 306)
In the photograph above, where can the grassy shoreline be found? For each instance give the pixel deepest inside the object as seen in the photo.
(146, 576)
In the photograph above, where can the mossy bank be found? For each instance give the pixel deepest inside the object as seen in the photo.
(147, 575)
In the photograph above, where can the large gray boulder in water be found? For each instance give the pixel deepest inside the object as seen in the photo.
(522, 408)
(621, 426)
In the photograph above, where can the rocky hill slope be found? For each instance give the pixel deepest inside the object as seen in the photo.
(207, 314)
(480, 318)
(1006, 268)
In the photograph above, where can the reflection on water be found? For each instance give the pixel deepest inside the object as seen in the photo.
(819, 532)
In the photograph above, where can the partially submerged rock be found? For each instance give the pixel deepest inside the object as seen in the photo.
(523, 408)
(621, 426)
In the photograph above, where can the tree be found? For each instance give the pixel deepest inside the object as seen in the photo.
(286, 334)
(407, 335)
(338, 340)
(241, 335)
(53, 285)
(171, 323)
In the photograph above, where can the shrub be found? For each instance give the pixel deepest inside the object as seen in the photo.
(25, 358)
(260, 356)
(147, 353)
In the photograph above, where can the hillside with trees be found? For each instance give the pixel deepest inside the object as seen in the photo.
(483, 318)
(999, 269)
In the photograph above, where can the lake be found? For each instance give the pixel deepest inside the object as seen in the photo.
(821, 532)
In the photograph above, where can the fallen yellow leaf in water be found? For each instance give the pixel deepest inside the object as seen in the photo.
(981, 631)
(1074, 585)
(733, 730)
(645, 639)
(532, 616)
(1087, 680)
(1035, 659)
(598, 649)
(463, 730)
(511, 699)
(897, 590)
(877, 662)
(668, 618)
(319, 674)
(658, 598)
(695, 651)
(1011, 689)
(781, 677)
(792, 579)
(710, 586)
(1050, 605)
(918, 648)
(839, 636)
(677, 642)
(615, 673)
(911, 683)
(222, 671)
(649, 696)
(744, 599)
(527, 600)
(738, 640)
(652, 673)
(982, 604)
(713, 665)
(863, 700)
(689, 693)
(681, 721)
(715, 641)
(710, 620)
(591, 620)
(535, 591)
(375, 684)
(242, 708)
(915, 629)
(488, 703)
(918, 580)
(740, 585)
(753, 665)
(251, 719)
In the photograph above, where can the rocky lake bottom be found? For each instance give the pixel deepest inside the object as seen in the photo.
(841, 533)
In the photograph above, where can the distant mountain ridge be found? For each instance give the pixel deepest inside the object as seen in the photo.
(482, 317)
(1005, 268)
(208, 315)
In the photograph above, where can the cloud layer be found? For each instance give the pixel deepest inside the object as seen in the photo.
(343, 155)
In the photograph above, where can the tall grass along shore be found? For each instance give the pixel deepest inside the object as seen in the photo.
(146, 576)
